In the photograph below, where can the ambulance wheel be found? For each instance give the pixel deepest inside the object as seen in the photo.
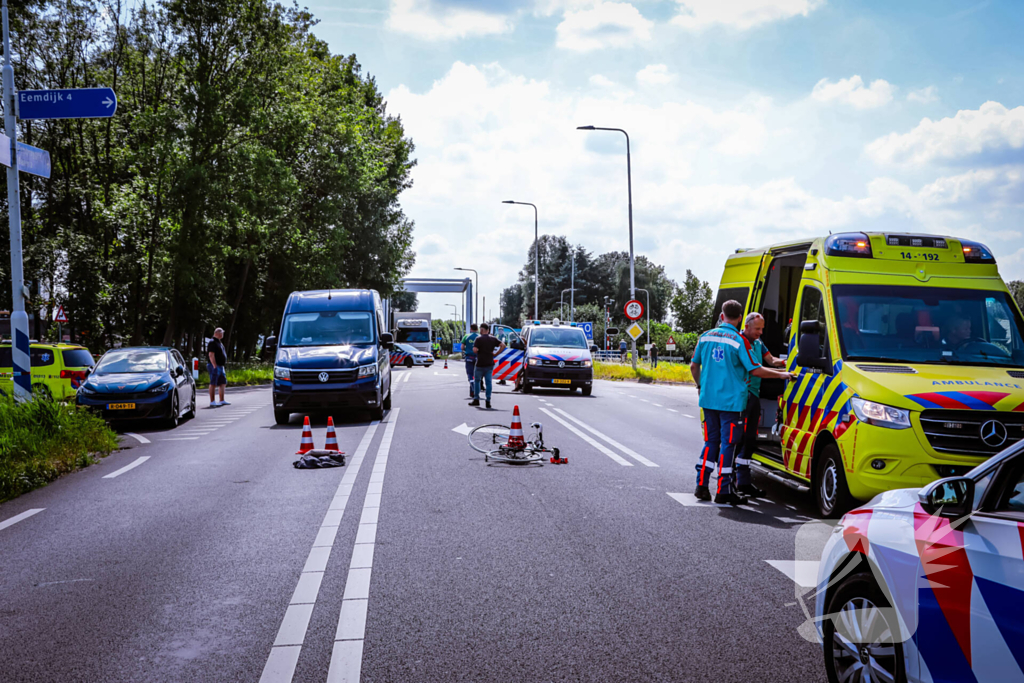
(587, 390)
(408, 362)
(527, 387)
(861, 634)
(281, 417)
(830, 490)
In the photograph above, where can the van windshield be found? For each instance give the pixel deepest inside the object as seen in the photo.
(418, 336)
(929, 325)
(566, 337)
(327, 328)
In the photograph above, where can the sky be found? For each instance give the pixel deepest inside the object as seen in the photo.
(750, 122)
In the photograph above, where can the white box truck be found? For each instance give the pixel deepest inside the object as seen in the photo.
(415, 330)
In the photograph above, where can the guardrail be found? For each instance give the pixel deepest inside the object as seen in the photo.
(616, 357)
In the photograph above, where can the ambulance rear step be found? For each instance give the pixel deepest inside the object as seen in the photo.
(779, 477)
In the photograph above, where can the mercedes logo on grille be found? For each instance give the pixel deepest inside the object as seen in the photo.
(561, 363)
(993, 433)
(323, 377)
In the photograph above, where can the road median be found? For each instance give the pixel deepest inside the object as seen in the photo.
(665, 373)
(244, 376)
(43, 439)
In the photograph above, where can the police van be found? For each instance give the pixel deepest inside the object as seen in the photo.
(557, 355)
(910, 354)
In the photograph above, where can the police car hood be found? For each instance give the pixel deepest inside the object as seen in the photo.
(921, 387)
(325, 357)
(116, 382)
(557, 353)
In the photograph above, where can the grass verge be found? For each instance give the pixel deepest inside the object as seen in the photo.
(242, 376)
(42, 439)
(665, 372)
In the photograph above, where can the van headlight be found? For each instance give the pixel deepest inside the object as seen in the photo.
(367, 371)
(880, 415)
(587, 363)
(534, 361)
(282, 373)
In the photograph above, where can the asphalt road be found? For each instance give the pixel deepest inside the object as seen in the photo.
(201, 554)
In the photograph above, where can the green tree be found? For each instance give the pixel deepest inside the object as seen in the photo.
(693, 305)
(1016, 288)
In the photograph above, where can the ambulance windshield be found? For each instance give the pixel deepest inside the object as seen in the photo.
(929, 325)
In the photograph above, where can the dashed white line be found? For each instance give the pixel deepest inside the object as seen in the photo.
(130, 466)
(10, 521)
(347, 654)
(657, 405)
(803, 573)
(182, 438)
(689, 416)
(672, 410)
(137, 437)
(611, 454)
(645, 400)
(628, 451)
(284, 655)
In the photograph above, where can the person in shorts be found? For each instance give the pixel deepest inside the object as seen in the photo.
(216, 367)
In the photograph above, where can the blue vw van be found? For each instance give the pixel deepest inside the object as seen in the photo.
(332, 352)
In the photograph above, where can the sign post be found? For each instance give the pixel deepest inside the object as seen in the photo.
(60, 317)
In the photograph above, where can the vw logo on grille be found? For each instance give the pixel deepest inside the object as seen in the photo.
(323, 377)
(561, 363)
(993, 433)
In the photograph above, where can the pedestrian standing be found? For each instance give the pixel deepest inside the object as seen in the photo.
(721, 367)
(470, 357)
(486, 348)
(622, 350)
(753, 328)
(654, 356)
(216, 368)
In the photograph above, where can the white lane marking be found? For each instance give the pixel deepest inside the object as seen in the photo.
(657, 405)
(628, 451)
(689, 416)
(631, 395)
(347, 655)
(690, 500)
(182, 438)
(645, 400)
(803, 573)
(10, 521)
(611, 454)
(672, 410)
(138, 437)
(284, 655)
(128, 467)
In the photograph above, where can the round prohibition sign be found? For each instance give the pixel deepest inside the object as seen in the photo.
(634, 310)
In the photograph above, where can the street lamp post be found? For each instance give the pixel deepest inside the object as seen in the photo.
(641, 289)
(536, 257)
(629, 191)
(561, 301)
(476, 287)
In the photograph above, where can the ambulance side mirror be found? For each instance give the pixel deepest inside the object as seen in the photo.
(808, 353)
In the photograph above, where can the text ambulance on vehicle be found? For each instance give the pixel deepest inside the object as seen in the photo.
(910, 354)
(557, 355)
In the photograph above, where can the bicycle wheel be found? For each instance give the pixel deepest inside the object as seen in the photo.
(487, 438)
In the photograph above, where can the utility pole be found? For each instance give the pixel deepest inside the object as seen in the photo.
(19, 319)
(572, 294)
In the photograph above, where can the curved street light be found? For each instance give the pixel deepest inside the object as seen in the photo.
(536, 257)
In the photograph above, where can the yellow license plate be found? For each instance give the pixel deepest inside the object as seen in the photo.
(561, 381)
(120, 406)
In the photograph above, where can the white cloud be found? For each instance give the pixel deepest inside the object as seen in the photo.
(852, 91)
(924, 95)
(601, 81)
(991, 130)
(655, 74)
(740, 14)
(603, 25)
(428, 20)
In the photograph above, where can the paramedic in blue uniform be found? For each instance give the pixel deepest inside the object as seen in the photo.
(753, 328)
(721, 368)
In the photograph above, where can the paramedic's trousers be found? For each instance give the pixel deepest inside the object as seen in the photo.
(723, 434)
(752, 418)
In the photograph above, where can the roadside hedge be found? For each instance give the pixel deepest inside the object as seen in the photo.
(42, 439)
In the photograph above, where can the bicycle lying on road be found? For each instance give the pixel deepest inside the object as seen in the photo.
(493, 441)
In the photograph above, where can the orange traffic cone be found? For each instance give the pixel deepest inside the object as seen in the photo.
(515, 432)
(332, 439)
(446, 362)
(307, 439)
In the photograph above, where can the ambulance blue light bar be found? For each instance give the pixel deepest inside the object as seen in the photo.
(850, 244)
(976, 252)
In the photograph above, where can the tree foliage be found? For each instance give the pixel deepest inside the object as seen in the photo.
(245, 161)
(694, 305)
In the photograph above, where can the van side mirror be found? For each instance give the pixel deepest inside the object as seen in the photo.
(387, 340)
(517, 344)
(593, 348)
(951, 497)
(270, 343)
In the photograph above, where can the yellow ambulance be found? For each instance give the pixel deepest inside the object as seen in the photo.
(910, 354)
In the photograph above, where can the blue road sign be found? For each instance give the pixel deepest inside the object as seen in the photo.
(33, 160)
(80, 103)
(588, 329)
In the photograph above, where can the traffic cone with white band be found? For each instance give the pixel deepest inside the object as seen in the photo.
(446, 362)
(307, 439)
(332, 439)
(515, 432)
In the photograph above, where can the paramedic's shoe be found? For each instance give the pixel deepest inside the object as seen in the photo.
(729, 499)
(702, 493)
(751, 491)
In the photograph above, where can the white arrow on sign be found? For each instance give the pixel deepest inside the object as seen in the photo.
(109, 102)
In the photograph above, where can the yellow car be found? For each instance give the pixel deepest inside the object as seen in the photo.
(57, 369)
(910, 354)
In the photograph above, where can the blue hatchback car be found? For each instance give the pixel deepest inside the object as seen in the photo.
(332, 352)
(140, 383)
